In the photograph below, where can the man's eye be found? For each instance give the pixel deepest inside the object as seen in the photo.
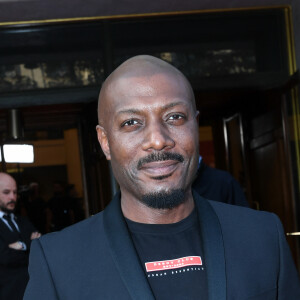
(176, 117)
(131, 122)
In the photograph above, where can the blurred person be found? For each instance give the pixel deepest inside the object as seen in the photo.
(218, 185)
(159, 239)
(76, 203)
(35, 207)
(60, 209)
(16, 233)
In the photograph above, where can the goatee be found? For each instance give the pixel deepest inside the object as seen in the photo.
(164, 200)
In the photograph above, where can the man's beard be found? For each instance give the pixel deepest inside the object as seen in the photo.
(164, 200)
(5, 209)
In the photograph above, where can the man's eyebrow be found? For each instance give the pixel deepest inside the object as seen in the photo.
(173, 104)
(129, 111)
(139, 111)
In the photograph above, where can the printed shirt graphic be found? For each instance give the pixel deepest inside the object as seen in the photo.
(172, 258)
(173, 263)
(171, 267)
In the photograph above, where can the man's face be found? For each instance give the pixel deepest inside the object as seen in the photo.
(8, 194)
(150, 134)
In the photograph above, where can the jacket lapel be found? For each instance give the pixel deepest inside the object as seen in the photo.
(126, 258)
(213, 248)
(9, 235)
(124, 253)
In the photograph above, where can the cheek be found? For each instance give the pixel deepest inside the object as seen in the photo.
(4, 200)
(188, 140)
(122, 149)
(123, 152)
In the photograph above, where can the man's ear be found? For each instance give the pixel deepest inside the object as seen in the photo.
(103, 141)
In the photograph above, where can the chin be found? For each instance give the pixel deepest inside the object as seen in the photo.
(164, 198)
(8, 210)
(164, 184)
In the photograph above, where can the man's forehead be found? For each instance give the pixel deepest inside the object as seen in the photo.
(139, 107)
(146, 93)
(142, 76)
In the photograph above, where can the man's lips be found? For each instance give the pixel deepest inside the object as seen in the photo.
(160, 168)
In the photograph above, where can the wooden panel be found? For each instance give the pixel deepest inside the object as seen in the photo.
(48, 153)
(270, 180)
(73, 159)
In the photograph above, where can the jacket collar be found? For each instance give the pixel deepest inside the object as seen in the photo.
(126, 257)
(124, 253)
(213, 246)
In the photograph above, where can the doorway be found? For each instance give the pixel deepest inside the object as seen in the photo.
(252, 134)
(53, 132)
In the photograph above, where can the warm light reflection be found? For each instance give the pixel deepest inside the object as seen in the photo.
(18, 153)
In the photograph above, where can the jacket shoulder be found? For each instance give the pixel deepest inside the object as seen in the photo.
(74, 235)
(256, 229)
(243, 215)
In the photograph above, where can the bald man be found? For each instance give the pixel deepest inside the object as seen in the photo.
(16, 234)
(158, 239)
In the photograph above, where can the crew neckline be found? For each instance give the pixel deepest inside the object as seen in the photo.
(182, 225)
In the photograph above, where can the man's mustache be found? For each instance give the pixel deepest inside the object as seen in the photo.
(160, 156)
(10, 202)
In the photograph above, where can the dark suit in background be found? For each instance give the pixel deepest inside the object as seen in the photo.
(14, 263)
(218, 185)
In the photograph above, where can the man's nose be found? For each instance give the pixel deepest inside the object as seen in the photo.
(157, 137)
(13, 196)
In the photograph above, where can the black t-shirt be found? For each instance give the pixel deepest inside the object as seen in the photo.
(172, 258)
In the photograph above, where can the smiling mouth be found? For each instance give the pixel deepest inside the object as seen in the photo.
(159, 170)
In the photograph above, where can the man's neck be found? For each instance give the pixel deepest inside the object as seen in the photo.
(137, 211)
(2, 213)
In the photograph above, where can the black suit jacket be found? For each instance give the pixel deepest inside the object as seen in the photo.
(14, 263)
(245, 254)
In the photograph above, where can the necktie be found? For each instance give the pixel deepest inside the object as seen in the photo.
(11, 223)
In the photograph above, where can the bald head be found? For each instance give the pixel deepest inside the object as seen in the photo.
(141, 66)
(5, 177)
(8, 193)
